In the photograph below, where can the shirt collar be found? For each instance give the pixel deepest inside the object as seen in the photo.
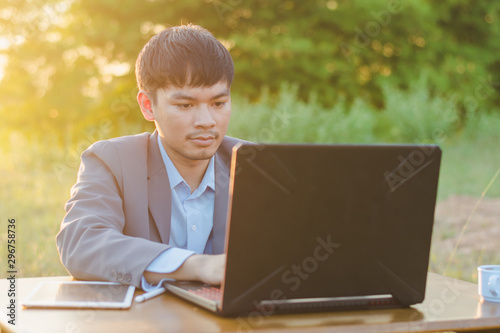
(175, 178)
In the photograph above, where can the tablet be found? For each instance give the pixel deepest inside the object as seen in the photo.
(80, 294)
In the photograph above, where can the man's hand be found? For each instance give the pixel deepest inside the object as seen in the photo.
(198, 267)
(209, 268)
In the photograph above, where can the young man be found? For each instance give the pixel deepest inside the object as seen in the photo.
(153, 206)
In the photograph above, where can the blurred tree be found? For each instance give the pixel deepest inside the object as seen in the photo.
(70, 62)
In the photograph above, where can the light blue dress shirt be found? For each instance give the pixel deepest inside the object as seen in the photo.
(191, 219)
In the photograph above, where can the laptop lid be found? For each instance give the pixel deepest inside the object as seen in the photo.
(314, 222)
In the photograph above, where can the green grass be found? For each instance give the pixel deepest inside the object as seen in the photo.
(471, 155)
(33, 195)
(37, 174)
(468, 167)
(463, 266)
(472, 158)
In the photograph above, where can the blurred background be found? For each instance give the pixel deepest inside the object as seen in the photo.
(322, 71)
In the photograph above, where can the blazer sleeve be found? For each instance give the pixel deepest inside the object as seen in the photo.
(91, 242)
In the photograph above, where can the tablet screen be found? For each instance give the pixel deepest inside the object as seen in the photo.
(82, 294)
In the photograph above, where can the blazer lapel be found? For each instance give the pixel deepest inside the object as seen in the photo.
(220, 207)
(159, 195)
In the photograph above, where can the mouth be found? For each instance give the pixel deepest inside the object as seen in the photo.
(203, 141)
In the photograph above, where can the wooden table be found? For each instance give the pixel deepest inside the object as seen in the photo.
(450, 305)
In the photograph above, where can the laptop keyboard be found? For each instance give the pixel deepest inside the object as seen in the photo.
(212, 293)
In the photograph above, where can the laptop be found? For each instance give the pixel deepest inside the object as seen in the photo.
(313, 227)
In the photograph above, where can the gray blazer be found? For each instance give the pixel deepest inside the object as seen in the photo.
(118, 217)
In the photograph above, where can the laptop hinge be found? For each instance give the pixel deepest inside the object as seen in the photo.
(354, 302)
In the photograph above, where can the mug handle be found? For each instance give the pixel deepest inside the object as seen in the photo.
(493, 285)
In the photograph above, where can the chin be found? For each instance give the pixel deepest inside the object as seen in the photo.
(205, 154)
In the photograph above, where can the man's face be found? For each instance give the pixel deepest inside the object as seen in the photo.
(192, 121)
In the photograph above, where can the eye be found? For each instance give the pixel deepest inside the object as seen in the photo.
(219, 104)
(184, 106)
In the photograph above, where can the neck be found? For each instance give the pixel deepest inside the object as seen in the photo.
(192, 172)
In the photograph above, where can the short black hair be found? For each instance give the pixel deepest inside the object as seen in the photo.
(186, 55)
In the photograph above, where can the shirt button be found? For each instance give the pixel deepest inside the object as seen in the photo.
(194, 227)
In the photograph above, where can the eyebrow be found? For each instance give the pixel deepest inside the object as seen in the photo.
(181, 95)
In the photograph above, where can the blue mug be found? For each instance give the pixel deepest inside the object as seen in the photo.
(489, 282)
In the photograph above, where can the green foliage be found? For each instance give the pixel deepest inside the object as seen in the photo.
(70, 63)
(410, 116)
(360, 71)
(286, 118)
(414, 116)
(470, 158)
(37, 173)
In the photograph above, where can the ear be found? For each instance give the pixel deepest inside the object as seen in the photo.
(145, 104)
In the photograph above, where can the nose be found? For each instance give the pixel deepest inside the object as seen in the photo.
(203, 117)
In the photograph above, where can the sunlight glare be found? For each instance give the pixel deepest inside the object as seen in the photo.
(4, 43)
(3, 64)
